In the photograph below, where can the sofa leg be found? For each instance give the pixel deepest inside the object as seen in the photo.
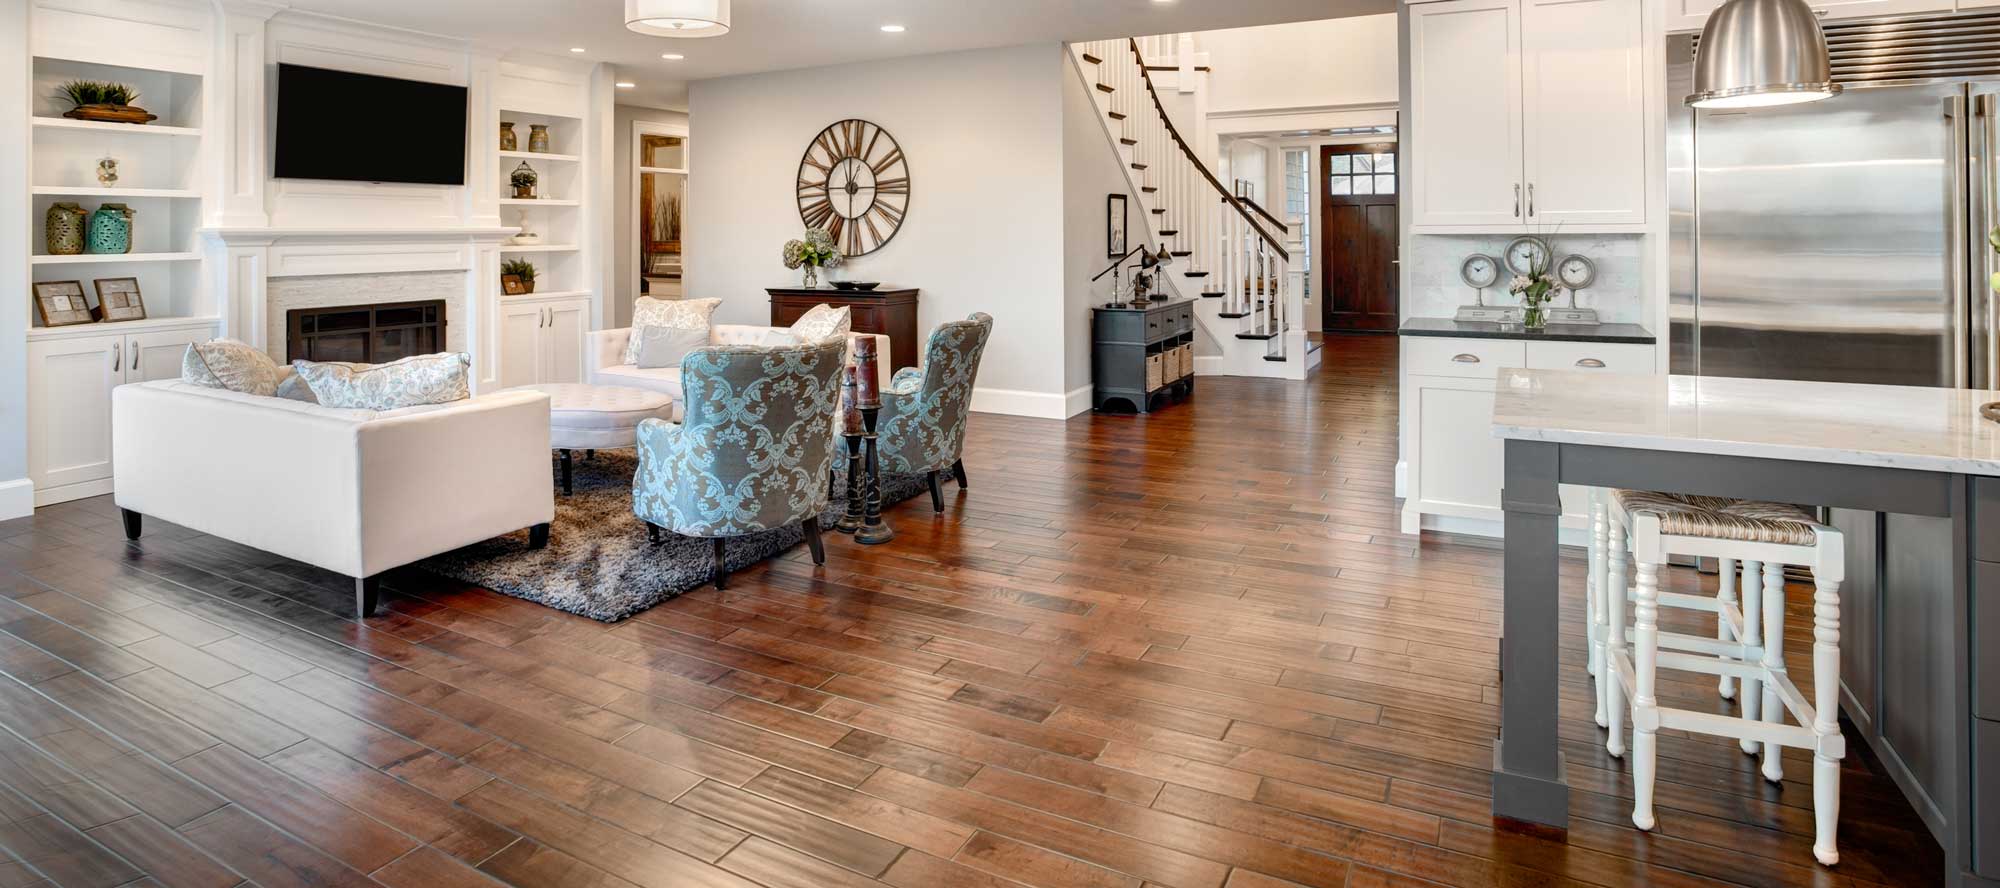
(538, 536)
(133, 521)
(652, 532)
(367, 594)
(721, 574)
(567, 466)
(958, 473)
(937, 493)
(813, 542)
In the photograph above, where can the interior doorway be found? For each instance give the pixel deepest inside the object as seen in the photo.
(1358, 237)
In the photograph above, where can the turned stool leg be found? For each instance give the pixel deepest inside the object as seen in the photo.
(1774, 660)
(1614, 638)
(1753, 633)
(1829, 746)
(1725, 595)
(1645, 706)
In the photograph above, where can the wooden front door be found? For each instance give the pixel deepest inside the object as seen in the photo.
(1357, 241)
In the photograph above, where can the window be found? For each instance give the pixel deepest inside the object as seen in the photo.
(1352, 174)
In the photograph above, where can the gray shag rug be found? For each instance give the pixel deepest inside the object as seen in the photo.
(598, 562)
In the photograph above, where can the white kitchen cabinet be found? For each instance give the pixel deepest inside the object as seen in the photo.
(71, 372)
(542, 341)
(1527, 114)
(1453, 465)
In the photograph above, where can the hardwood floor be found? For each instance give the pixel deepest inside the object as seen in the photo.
(1187, 650)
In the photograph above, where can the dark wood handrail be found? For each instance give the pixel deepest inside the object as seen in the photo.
(1188, 152)
(1252, 202)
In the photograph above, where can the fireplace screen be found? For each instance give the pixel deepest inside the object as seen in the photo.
(365, 334)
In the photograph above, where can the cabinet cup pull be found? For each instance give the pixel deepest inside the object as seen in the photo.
(1465, 358)
(1589, 362)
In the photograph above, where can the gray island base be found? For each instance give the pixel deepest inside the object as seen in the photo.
(1908, 471)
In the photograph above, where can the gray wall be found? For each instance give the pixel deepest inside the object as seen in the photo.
(14, 234)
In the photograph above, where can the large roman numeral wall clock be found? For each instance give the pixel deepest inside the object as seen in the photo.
(855, 182)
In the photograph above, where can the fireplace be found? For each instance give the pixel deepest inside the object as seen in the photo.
(365, 334)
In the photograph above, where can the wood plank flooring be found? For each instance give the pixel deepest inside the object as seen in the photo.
(1187, 650)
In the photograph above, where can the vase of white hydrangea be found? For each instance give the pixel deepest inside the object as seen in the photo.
(812, 254)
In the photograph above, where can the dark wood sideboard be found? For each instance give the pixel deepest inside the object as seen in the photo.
(891, 313)
(1142, 355)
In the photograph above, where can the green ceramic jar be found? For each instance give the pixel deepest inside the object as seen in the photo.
(111, 229)
(65, 223)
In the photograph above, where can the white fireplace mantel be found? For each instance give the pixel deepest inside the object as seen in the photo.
(245, 259)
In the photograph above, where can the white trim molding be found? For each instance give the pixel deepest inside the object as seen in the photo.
(17, 499)
(1015, 402)
(1282, 120)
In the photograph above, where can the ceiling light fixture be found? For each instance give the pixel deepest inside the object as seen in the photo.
(1761, 52)
(576, 49)
(627, 84)
(672, 56)
(893, 29)
(678, 18)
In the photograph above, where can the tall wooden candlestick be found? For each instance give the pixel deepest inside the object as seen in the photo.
(874, 530)
(851, 430)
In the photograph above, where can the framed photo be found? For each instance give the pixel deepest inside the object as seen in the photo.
(62, 303)
(512, 285)
(118, 299)
(1115, 240)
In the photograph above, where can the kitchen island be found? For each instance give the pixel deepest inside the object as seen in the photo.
(1909, 471)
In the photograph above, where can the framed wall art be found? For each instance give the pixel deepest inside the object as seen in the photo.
(1116, 241)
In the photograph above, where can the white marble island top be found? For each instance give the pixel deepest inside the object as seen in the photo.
(1932, 429)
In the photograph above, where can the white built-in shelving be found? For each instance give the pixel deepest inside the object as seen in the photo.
(536, 155)
(148, 129)
(540, 248)
(114, 258)
(557, 211)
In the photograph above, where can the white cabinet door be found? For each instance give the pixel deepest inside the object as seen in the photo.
(157, 355)
(1459, 462)
(520, 343)
(563, 341)
(1583, 88)
(1464, 156)
(69, 408)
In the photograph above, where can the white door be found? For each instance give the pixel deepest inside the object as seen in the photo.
(563, 341)
(1463, 163)
(1584, 130)
(69, 408)
(157, 355)
(520, 343)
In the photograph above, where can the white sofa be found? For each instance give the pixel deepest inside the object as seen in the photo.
(606, 356)
(356, 492)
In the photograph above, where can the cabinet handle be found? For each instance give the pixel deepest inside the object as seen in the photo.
(117, 355)
(1592, 363)
(136, 352)
(1531, 200)
(1463, 358)
(1517, 200)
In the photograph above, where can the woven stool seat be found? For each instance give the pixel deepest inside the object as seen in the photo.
(1720, 518)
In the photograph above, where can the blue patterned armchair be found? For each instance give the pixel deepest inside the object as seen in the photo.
(751, 449)
(922, 425)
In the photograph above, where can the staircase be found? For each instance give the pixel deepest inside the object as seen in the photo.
(1228, 252)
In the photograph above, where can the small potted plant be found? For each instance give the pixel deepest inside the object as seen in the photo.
(1536, 289)
(812, 254)
(104, 100)
(524, 179)
(520, 269)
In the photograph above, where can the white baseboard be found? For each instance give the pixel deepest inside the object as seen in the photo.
(17, 498)
(1077, 401)
(1014, 402)
(1402, 479)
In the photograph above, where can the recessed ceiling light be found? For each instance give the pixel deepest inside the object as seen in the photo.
(892, 29)
(626, 84)
(672, 56)
(576, 49)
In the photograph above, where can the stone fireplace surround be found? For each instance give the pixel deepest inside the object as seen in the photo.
(264, 272)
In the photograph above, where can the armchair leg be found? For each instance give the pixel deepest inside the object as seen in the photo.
(652, 532)
(567, 468)
(829, 485)
(818, 548)
(538, 536)
(958, 473)
(133, 521)
(721, 566)
(367, 595)
(937, 493)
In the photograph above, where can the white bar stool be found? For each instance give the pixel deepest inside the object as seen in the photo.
(1761, 535)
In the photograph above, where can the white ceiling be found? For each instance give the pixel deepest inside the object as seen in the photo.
(772, 35)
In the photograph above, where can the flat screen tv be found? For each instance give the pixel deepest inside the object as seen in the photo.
(413, 131)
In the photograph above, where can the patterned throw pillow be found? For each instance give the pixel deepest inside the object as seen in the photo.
(292, 387)
(666, 346)
(823, 321)
(684, 314)
(231, 365)
(419, 379)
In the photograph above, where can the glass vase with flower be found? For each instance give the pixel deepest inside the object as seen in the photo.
(813, 253)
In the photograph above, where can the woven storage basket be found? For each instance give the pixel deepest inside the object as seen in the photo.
(1155, 368)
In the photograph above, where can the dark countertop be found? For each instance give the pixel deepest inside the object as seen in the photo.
(1632, 333)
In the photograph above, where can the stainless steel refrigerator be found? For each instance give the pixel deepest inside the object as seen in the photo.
(1843, 240)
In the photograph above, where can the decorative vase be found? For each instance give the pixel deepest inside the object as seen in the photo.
(538, 138)
(508, 141)
(1534, 317)
(111, 229)
(64, 227)
(107, 171)
(524, 179)
(811, 278)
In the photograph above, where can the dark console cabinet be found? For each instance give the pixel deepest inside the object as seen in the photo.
(1142, 358)
(891, 313)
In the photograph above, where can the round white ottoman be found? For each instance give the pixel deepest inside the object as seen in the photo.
(598, 417)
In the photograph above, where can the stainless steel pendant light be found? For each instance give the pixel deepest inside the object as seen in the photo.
(1761, 52)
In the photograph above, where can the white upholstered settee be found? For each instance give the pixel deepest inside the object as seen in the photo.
(356, 492)
(606, 359)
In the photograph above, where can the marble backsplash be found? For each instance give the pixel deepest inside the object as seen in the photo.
(329, 291)
(1434, 289)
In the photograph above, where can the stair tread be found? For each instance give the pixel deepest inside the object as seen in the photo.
(1195, 274)
(1138, 166)
(1256, 336)
(1169, 232)
(1232, 314)
(1158, 211)
(1124, 141)
(1148, 189)
(1180, 252)
(1092, 59)
(1213, 295)
(1115, 115)
(1104, 88)
(1279, 358)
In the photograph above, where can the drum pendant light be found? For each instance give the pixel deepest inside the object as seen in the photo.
(678, 18)
(1755, 53)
